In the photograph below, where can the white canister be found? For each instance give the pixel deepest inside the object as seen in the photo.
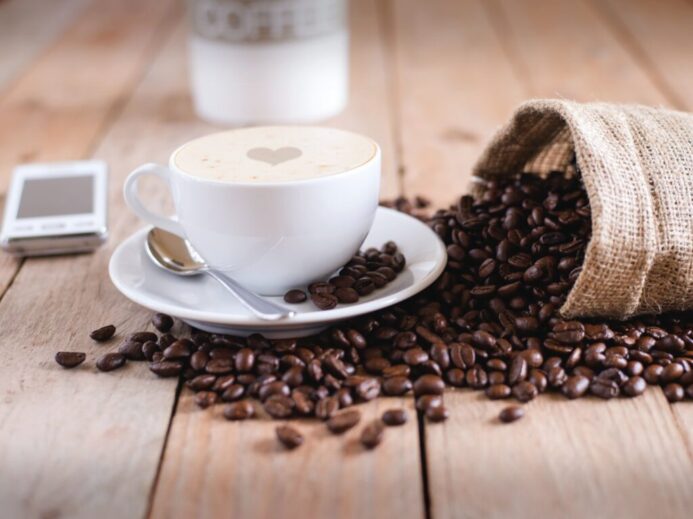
(268, 61)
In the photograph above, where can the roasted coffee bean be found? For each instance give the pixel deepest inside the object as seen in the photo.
(303, 404)
(396, 386)
(205, 399)
(634, 386)
(295, 296)
(518, 370)
(570, 332)
(575, 386)
(273, 388)
(524, 391)
(239, 410)
(426, 401)
(201, 382)
(324, 301)
(539, 379)
(438, 413)
(233, 392)
(244, 360)
(671, 373)
(367, 389)
(557, 376)
(142, 337)
(110, 361)
(219, 366)
(653, 373)
(346, 295)
(70, 359)
(429, 385)
(148, 349)
(394, 417)
(343, 421)
(166, 368)
(179, 350)
(321, 287)
(476, 378)
(372, 434)
(604, 388)
(415, 356)
(279, 406)
(104, 333)
(162, 322)
(289, 436)
(511, 414)
(674, 392)
(198, 360)
(325, 408)
(498, 391)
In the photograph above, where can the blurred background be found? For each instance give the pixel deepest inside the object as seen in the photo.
(125, 80)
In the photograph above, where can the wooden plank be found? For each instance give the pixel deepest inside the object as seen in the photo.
(83, 444)
(27, 27)
(212, 467)
(58, 108)
(455, 88)
(662, 40)
(568, 459)
(477, 468)
(659, 37)
(215, 468)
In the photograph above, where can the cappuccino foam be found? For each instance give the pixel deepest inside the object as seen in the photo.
(274, 154)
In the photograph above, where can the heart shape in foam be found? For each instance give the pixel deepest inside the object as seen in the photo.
(274, 157)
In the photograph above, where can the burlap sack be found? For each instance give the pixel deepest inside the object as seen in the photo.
(637, 167)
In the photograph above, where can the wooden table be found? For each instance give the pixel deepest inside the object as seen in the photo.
(430, 81)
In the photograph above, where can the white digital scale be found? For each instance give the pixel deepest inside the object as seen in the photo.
(56, 208)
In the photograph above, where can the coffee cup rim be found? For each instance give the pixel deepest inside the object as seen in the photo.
(276, 183)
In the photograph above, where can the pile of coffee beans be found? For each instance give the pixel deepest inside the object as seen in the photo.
(489, 323)
(361, 276)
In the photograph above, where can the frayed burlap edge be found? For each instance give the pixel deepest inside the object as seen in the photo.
(637, 168)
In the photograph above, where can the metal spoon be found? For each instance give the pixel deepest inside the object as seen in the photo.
(174, 254)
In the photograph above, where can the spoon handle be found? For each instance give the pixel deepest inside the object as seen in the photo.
(260, 306)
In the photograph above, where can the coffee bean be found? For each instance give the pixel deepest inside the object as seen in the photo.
(634, 386)
(343, 421)
(104, 333)
(570, 332)
(674, 392)
(518, 370)
(303, 404)
(110, 361)
(70, 359)
(671, 372)
(295, 296)
(142, 337)
(198, 360)
(233, 392)
(289, 436)
(162, 322)
(205, 399)
(368, 389)
(244, 360)
(279, 406)
(396, 386)
(498, 391)
(201, 382)
(148, 349)
(372, 434)
(426, 401)
(324, 301)
(438, 413)
(604, 388)
(511, 414)
(429, 385)
(132, 350)
(346, 295)
(166, 368)
(394, 417)
(179, 350)
(524, 391)
(239, 410)
(575, 386)
(219, 366)
(326, 407)
(653, 373)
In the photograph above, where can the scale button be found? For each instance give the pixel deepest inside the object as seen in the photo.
(57, 225)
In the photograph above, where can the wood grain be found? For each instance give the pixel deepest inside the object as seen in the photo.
(577, 461)
(27, 28)
(569, 459)
(214, 468)
(455, 88)
(83, 444)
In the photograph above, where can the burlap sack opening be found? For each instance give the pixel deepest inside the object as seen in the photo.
(637, 167)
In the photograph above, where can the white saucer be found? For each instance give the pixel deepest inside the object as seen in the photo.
(203, 303)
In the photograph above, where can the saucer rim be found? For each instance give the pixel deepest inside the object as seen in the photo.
(300, 319)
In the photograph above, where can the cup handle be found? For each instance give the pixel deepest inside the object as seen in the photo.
(133, 200)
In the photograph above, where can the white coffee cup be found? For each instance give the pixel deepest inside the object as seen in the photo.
(270, 223)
